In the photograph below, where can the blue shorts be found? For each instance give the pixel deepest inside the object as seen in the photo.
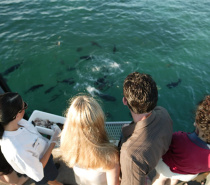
(50, 172)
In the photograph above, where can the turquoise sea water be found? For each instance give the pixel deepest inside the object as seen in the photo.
(45, 39)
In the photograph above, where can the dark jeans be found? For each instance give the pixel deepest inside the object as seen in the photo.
(50, 172)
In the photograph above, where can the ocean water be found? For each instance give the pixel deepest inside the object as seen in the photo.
(61, 48)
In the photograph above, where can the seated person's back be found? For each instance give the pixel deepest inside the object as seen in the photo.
(146, 139)
(188, 153)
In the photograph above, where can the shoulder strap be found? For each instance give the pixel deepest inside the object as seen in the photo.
(196, 140)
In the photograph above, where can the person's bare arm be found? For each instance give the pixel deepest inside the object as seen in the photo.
(47, 154)
(54, 139)
(112, 175)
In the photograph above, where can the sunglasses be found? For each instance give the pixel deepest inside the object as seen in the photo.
(25, 106)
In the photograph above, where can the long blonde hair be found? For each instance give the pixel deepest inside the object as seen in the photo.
(84, 139)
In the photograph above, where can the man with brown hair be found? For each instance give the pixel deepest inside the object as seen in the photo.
(148, 137)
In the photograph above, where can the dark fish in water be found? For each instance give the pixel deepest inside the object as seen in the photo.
(105, 96)
(169, 65)
(79, 49)
(88, 57)
(62, 62)
(54, 97)
(114, 49)
(105, 70)
(101, 80)
(71, 68)
(95, 44)
(108, 115)
(49, 90)
(68, 81)
(11, 69)
(173, 84)
(101, 87)
(102, 83)
(35, 87)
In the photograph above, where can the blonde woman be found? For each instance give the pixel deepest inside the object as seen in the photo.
(85, 145)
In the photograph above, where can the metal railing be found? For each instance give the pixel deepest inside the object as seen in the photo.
(113, 128)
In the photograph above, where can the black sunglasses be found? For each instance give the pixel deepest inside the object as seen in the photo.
(24, 107)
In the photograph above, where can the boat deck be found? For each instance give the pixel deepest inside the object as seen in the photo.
(66, 174)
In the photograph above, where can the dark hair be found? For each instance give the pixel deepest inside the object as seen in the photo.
(141, 92)
(5, 167)
(202, 118)
(10, 104)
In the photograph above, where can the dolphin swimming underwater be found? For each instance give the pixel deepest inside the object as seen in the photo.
(54, 97)
(93, 91)
(87, 57)
(95, 44)
(49, 90)
(108, 115)
(173, 84)
(11, 69)
(68, 81)
(79, 49)
(71, 68)
(105, 96)
(114, 49)
(33, 88)
(102, 83)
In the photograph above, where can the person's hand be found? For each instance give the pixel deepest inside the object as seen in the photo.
(55, 136)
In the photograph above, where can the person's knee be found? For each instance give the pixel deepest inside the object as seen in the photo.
(159, 180)
(155, 178)
(174, 181)
(11, 178)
